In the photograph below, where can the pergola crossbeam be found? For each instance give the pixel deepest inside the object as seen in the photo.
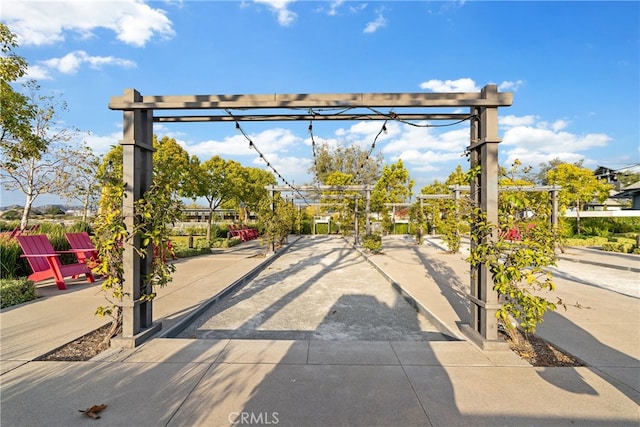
(308, 117)
(348, 100)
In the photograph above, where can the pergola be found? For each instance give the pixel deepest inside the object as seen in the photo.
(315, 191)
(140, 112)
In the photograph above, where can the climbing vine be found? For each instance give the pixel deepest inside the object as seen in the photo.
(517, 253)
(154, 212)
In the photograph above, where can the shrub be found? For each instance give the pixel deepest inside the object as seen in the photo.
(196, 231)
(306, 226)
(16, 291)
(626, 248)
(226, 243)
(322, 228)
(187, 252)
(402, 228)
(602, 227)
(584, 241)
(372, 242)
(12, 215)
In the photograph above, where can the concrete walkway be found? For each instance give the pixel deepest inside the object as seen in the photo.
(304, 382)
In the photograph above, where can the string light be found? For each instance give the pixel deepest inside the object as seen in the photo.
(337, 111)
(313, 148)
(263, 158)
(373, 146)
(393, 116)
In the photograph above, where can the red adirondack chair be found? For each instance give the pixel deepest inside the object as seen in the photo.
(86, 250)
(45, 261)
(245, 234)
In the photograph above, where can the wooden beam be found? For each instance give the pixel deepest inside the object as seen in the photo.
(347, 100)
(306, 117)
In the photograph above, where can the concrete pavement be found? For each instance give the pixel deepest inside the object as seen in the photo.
(215, 382)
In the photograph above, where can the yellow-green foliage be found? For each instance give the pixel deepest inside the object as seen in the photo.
(373, 242)
(623, 247)
(16, 291)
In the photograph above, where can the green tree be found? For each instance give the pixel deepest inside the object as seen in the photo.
(340, 203)
(217, 181)
(353, 160)
(276, 219)
(394, 186)
(171, 163)
(418, 220)
(250, 189)
(542, 177)
(444, 213)
(18, 141)
(47, 172)
(84, 185)
(579, 186)
(627, 177)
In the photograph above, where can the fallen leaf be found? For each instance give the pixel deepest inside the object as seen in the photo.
(93, 411)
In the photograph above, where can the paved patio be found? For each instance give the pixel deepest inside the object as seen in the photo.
(316, 382)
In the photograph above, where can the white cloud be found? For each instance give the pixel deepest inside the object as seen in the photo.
(559, 125)
(535, 141)
(334, 6)
(358, 8)
(36, 72)
(45, 23)
(465, 85)
(376, 24)
(535, 158)
(363, 134)
(269, 142)
(70, 63)
(513, 121)
(280, 7)
(508, 86)
(101, 144)
(424, 149)
(460, 85)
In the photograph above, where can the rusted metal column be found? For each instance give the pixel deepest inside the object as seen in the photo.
(483, 300)
(137, 167)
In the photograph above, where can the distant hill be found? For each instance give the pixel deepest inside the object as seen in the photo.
(40, 208)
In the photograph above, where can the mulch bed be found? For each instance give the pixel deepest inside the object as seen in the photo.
(82, 349)
(539, 352)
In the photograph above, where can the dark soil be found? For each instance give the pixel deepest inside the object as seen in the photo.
(534, 350)
(84, 348)
(539, 352)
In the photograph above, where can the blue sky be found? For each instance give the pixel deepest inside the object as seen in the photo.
(572, 68)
